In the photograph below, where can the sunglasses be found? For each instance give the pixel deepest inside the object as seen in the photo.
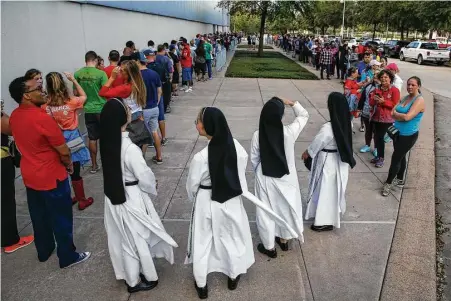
(38, 88)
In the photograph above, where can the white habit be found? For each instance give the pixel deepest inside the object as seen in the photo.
(327, 181)
(134, 229)
(220, 238)
(283, 194)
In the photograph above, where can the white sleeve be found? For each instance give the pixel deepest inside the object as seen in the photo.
(242, 163)
(197, 171)
(320, 141)
(255, 151)
(135, 162)
(299, 122)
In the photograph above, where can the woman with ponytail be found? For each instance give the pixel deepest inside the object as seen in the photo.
(133, 93)
(63, 108)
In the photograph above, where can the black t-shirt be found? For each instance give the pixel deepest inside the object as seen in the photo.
(176, 60)
(5, 140)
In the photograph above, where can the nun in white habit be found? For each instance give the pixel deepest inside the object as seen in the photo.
(332, 155)
(276, 179)
(220, 238)
(134, 230)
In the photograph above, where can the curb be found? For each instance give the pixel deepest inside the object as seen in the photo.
(411, 268)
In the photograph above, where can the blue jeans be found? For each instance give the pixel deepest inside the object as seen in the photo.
(51, 216)
(161, 110)
(209, 67)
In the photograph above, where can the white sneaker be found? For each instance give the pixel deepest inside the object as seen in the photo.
(183, 88)
(189, 89)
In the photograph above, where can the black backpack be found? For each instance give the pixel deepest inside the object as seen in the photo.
(161, 70)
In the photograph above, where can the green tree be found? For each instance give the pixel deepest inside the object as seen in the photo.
(245, 22)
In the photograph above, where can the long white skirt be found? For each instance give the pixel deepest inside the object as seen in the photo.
(136, 235)
(327, 188)
(284, 198)
(220, 238)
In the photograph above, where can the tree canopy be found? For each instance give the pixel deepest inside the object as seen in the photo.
(313, 16)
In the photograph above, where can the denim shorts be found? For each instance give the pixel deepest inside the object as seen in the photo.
(151, 119)
(161, 109)
(186, 74)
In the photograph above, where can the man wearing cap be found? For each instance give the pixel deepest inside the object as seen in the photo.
(397, 82)
(165, 61)
(153, 96)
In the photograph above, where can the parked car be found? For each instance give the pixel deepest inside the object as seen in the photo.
(393, 47)
(369, 43)
(424, 52)
(351, 42)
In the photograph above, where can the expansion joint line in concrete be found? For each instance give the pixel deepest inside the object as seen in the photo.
(186, 164)
(306, 271)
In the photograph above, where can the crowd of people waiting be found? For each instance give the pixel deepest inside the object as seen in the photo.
(147, 81)
(372, 87)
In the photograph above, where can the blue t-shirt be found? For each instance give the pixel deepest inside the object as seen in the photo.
(361, 66)
(165, 61)
(152, 81)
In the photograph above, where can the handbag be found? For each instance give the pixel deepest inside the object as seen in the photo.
(74, 145)
(15, 153)
(393, 132)
(199, 59)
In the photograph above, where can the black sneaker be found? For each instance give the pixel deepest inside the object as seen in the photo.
(157, 161)
(322, 228)
(168, 110)
(83, 256)
(269, 253)
(202, 292)
(282, 245)
(164, 141)
(233, 283)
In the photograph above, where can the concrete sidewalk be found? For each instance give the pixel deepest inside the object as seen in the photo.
(346, 264)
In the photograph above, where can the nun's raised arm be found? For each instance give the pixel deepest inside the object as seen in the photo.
(296, 127)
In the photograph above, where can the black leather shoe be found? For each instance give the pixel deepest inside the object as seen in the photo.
(143, 279)
(269, 253)
(282, 245)
(322, 228)
(233, 283)
(202, 292)
(142, 286)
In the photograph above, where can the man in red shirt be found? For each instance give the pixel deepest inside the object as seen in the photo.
(44, 166)
(114, 57)
(187, 65)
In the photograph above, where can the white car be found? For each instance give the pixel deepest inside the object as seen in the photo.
(352, 42)
(424, 52)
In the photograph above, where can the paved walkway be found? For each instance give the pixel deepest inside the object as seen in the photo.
(346, 264)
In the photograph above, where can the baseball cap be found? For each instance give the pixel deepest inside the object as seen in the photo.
(392, 67)
(139, 56)
(149, 51)
(374, 62)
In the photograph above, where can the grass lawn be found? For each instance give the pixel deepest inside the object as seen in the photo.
(271, 65)
(245, 46)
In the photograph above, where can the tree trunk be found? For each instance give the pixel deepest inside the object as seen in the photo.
(335, 31)
(374, 30)
(323, 30)
(262, 27)
(431, 32)
(402, 31)
(407, 33)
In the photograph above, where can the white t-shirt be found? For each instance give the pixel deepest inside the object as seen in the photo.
(397, 82)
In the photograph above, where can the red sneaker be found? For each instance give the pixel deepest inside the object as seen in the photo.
(23, 242)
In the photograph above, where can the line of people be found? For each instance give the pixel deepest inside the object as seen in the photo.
(143, 80)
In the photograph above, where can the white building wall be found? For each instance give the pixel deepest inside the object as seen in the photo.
(54, 36)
